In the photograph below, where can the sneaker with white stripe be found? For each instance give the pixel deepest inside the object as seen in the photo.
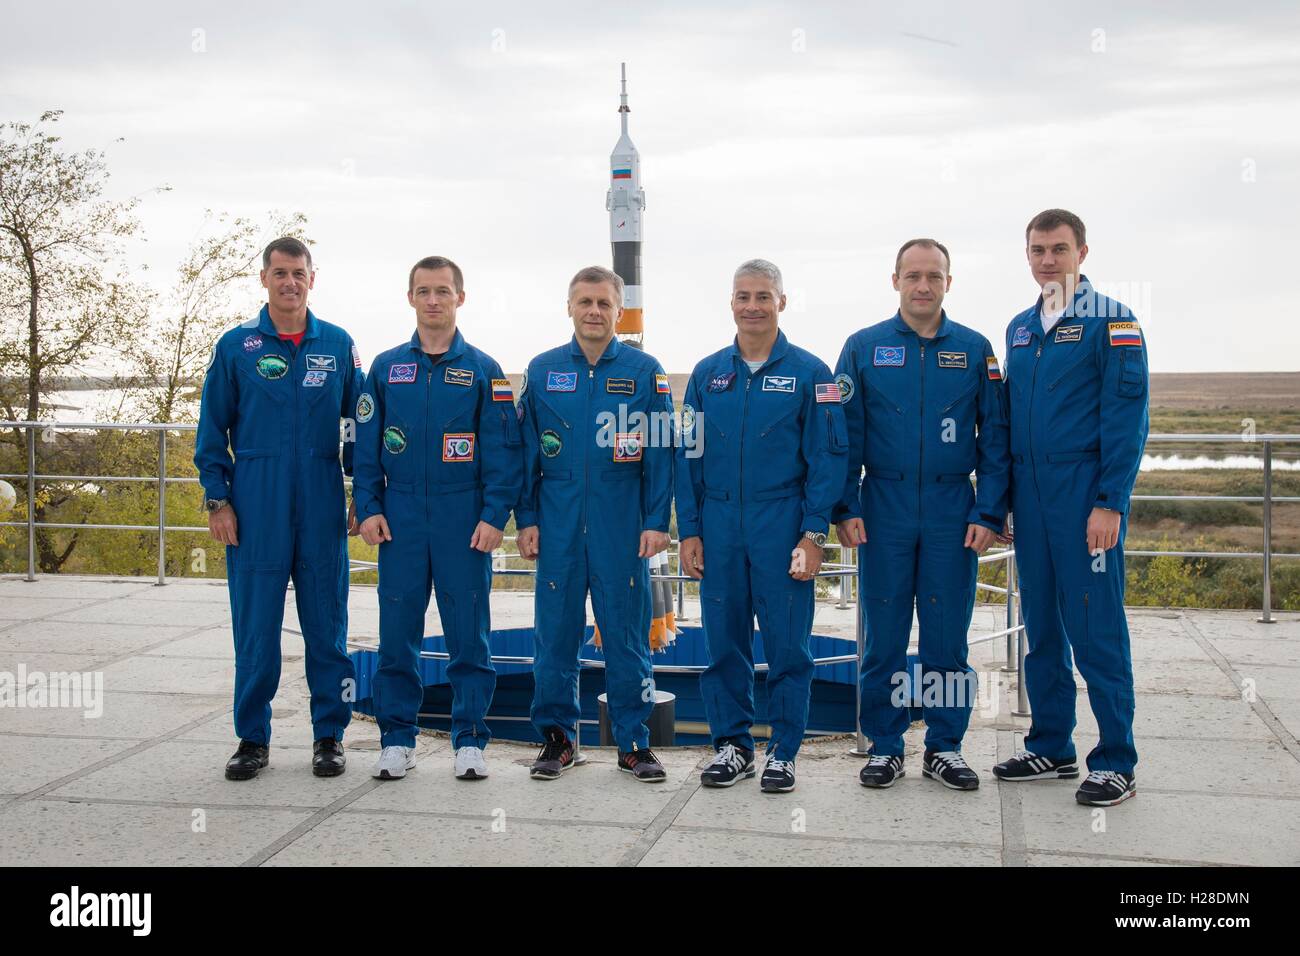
(950, 769)
(1105, 788)
(1028, 765)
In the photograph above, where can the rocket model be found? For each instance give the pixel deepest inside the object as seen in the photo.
(625, 201)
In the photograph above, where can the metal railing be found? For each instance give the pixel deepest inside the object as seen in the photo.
(844, 570)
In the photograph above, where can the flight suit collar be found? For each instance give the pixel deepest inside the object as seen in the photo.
(454, 351)
(900, 325)
(267, 327)
(779, 348)
(1084, 288)
(610, 353)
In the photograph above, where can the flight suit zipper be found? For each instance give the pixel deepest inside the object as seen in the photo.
(428, 414)
(920, 465)
(1033, 394)
(744, 413)
(586, 449)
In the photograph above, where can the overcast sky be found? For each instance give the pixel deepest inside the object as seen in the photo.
(817, 135)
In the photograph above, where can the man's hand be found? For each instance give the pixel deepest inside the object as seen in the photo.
(805, 560)
(486, 538)
(691, 556)
(223, 526)
(652, 542)
(354, 528)
(527, 542)
(979, 538)
(374, 530)
(852, 532)
(1103, 530)
(1006, 537)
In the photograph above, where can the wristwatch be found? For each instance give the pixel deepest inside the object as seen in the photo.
(215, 504)
(816, 537)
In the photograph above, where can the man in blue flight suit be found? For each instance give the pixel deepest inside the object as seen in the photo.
(438, 468)
(596, 417)
(1077, 385)
(924, 405)
(760, 466)
(275, 391)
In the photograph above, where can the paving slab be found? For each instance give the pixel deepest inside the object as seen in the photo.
(1195, 828)
(690, 847)
(124, 715)
(1249, 651)
(378, 839)
(48, 832)
(128, 611)
(186, 675)
(30, 762)
(71, 586)
(16, 607)
(1178, 715)
(86, 637)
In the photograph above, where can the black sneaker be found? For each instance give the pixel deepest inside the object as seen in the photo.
(327, 758)
(555, 758)
(881, 771)
(730, 763)
(778, 776)
(643, 765)
(247, 760)
(948, 767)
(1028, 765)
(1105, 788)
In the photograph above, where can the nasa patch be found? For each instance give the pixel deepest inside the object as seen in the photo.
(720, 383)
(252, 343)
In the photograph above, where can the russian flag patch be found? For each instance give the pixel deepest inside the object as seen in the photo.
(829, 392)
(661, 384)
(501, 390)
(995, 370)
(1125, 333)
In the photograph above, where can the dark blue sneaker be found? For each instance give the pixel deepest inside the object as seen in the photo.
(730, 763)
(1028, 765)
(948, 767)
(1105, 788)
(881, 771)
(778, 776)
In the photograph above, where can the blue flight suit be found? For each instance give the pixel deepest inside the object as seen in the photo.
(922, 415)
(598, 443)
(438, 451)
(772, 467)
(277, 407)
(1079, 422)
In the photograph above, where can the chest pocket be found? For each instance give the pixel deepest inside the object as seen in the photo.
(279, 390)
(457, 408)
(1074, 367)
(962, 394)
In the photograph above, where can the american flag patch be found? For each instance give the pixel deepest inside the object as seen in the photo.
(661, 384)
(828, 393)
(995, 371)
(356, 357)
(501, 390)
(1125, 333)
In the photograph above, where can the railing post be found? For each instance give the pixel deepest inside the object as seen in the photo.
(860, 744)
(1013, 594)
(1267, 618)
(844, 579)
(31, 503)
(162, 506)
(1022, 641)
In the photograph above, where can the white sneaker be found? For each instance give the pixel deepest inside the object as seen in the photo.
(470, 764)
(394, 762)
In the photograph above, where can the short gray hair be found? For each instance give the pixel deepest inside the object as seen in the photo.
(596, 274)
(760, 267)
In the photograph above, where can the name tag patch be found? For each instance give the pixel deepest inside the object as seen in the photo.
(952, 360)
(459, 376)
(720, 383)
(321, 363)
(620, 386)
(561, 381)
(401, 374)
(458, 446)
(1023, 336)
(1069, 333)
(1125, 333)
(889, 356)
(779, 383)
(314, 378)
(627, 446)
